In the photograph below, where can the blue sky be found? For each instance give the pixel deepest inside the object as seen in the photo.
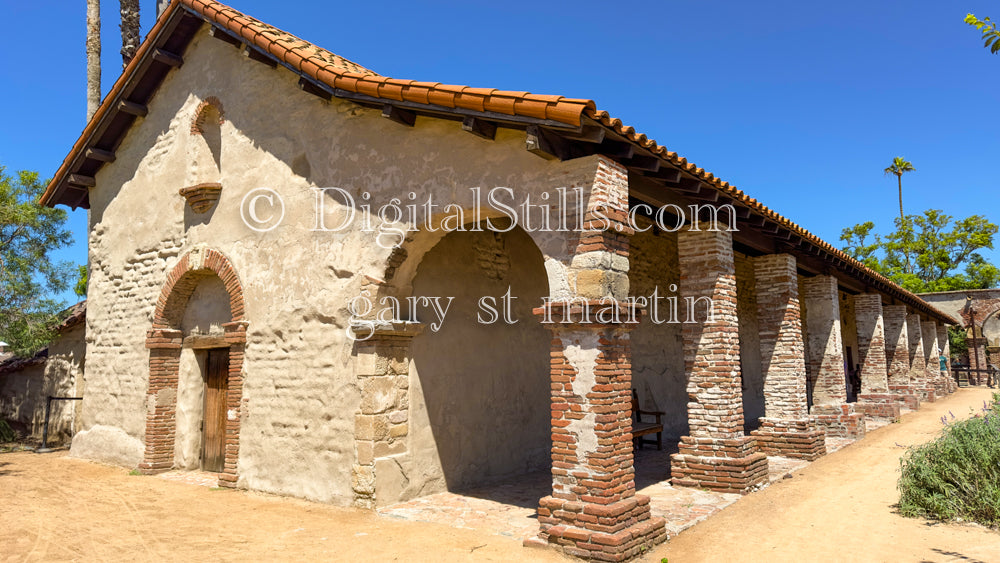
(800, 104)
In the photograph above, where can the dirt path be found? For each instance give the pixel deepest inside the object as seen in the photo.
(54, 508)
(840, 508)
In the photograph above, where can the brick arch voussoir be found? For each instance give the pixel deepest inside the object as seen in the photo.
(201, 112)
(184, 278)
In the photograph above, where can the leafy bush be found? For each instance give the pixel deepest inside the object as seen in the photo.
(7, 433)
(958, 474)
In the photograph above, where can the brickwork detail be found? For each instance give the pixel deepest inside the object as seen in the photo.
(871, 342)
(897, 352)
(874, 401)
(918, 361)
(201, 114)
(825, 361)
(381, 425)
(786, 429)
(184, 278)
(164, 343)
(600, 261)
(716, 454)
(826, 352)
(896, 345)
(593, 511)
(931, 362)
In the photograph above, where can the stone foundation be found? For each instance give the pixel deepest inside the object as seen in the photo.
(800, 439)
(603, 532)
(724, 465)
(839, 421)
(879, 405)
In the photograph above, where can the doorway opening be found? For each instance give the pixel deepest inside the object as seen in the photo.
(213, 448)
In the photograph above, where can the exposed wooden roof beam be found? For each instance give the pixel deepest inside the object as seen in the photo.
(588, 134)
(616, 150)
(544, 144)
(99, 154)
(255, 54)
(480, 127)
(224, 36)
(311, 87)
(167, 58)
(401, 116)
(643, 163)
(81, 180)
(132, 108)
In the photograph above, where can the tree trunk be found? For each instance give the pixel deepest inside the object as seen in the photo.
(130, 29)
(93, 57)
(899, 178)
(902, 225)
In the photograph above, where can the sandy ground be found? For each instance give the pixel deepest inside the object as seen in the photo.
(55, 508)
(839, 508)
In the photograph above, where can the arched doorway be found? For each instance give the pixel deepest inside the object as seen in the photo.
(196, 350)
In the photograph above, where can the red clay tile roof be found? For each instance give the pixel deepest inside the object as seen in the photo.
(337, 72)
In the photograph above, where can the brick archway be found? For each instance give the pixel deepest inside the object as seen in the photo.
(985, 309)
(164, 341)
(201, 113)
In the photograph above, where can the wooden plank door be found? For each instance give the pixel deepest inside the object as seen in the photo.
(213, 452)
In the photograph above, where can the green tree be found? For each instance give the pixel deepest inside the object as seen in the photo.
(81, 283)
(957, 341)
(945, 251)
(28, 274)
(991, 37)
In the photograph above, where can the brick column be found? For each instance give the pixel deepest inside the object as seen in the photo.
(716, 454)
(593, 511)
(874, 401)
(825, 363)
(945, 346)
(898, 355)
(785, 428)
(236, 338)
(382, 366)
(161, 399)
(932, 364)
(918, 365)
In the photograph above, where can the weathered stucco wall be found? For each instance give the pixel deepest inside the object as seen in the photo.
(751, 369)
(300, 393)
(479, 399)
(23, 392)
(657, 352)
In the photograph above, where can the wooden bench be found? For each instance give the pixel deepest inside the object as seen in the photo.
(640, 428)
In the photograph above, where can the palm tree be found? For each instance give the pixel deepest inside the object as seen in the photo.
(899, 167)
(130, 29)
(93, 57)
